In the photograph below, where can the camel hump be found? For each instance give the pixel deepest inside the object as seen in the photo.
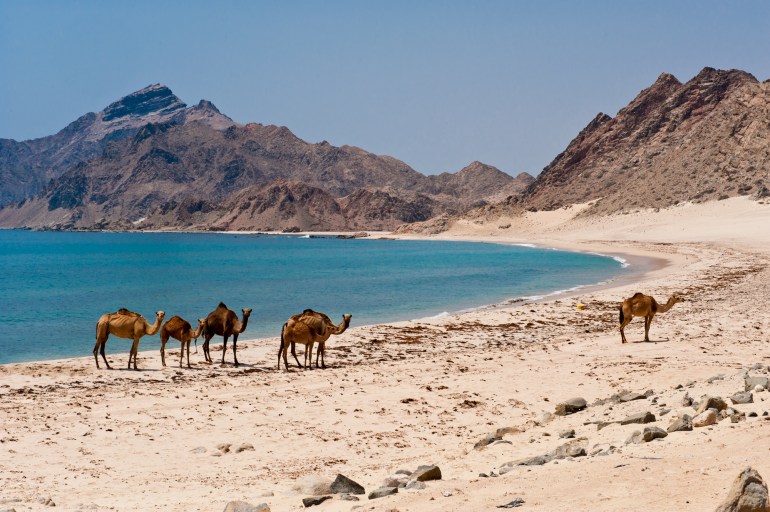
(124, 311)
(308, 312)
(637, 295)
(222, 305)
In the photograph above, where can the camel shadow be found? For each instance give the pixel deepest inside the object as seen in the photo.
(666, 340)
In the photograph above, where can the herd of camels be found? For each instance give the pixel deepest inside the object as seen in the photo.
(307, 328)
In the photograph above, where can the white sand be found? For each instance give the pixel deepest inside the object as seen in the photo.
(397, 396)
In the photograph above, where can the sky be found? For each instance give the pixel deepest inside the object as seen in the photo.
(437, 84)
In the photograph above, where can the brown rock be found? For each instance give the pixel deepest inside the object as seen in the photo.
(748, 494)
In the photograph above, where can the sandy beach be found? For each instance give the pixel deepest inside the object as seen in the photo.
(424, 392)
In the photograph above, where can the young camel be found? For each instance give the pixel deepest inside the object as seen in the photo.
(179, 329)
(646, 306)
(308, 328)
(124, 324)
(224, 322)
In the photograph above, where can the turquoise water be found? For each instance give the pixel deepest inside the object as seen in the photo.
(54, 286)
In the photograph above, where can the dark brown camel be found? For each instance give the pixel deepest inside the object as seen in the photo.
(224, 322)
(124, 324)
(308, 328)
(646, 306)
(179, 329)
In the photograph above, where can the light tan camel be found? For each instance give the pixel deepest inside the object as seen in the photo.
(124, 324)
(224, 322)
(179, 329)
(308, 328)
(646, 306)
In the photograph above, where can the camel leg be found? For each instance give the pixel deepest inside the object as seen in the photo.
(647, 324)
(163, 352)
(224, 348)
(206, 353)
(101, 345)
(188, 356)
(134, 350)
(294, 352)
(309, 356)
(235, 350)
(622, 332)
(321, 352)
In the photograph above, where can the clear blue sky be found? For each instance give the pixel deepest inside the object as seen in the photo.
(436, 84)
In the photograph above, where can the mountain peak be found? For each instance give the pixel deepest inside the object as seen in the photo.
(153, 99)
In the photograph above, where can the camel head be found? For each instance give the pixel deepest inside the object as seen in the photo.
(346, 318)
(246, 312)
(676, 298)
(160, 315)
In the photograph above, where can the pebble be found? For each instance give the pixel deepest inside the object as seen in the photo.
(382, 492)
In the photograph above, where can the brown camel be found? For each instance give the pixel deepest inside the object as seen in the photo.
(224, 322)
(308, 328)
(179, 329)
(646, 306)
(124, 324)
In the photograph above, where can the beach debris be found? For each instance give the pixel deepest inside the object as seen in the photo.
(570, 406)
(314, 500)
(426, 473)
(682, 424)
(344, 485)
(382, 492)
(751, 383)
(242, 506)
(642, 417)
(742, 398)
(580, 306)
(711, 402)
(704, 419)
(748, 494)
(224, 447)
(513, 504)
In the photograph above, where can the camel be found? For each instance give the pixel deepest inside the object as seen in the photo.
(308, 328)
(124, 324)
(646, 306)
(224, 322)
(179, 329)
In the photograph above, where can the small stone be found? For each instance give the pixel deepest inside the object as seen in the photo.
(447, 494)
(198, 450)
(513, 504)
(224, 447)
(344, 485)
(631, 396)
(704, 419)
(715, 378)
(348, 497)
(485, 441)
(414, 484)
(642, 417)
(395, 480)
(245, 447)
(683, 424)
(748, 494)
(686, 400)
(426, 473)
(382, 492)
(652, 433)
(759, 389)
(571, 449)
(481, 475)
(743, 398)
(314, 500)
(753, 414)
(664, 411)
(567, 434)
(571, 406)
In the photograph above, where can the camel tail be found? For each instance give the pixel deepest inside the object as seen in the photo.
(621, 315)
(280, 349)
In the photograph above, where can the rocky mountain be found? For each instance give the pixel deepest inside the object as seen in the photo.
(706, 139)
(161, 164)
(26, 167)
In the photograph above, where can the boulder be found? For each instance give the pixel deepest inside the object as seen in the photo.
(742, 398)
(426, 473)
(748, 494)
(571, 406)
(683, 424)
(343, 484)
(242, 506)
(642, 417)
(711, 402)
(752, 382)
(652, 433)
(416, 485)
(571, 449)
(382, 492)
(704, 419)
(312, 485)
(631, 396)
(567, 434)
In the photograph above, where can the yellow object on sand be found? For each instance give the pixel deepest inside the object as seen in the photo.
(581, 306)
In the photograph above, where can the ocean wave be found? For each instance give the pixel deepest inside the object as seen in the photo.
(443, 314)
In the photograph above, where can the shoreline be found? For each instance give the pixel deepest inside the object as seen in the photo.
(396, 396)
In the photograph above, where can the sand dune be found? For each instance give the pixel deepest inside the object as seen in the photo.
(425, 392)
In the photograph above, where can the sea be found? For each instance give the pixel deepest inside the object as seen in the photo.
(55, 285)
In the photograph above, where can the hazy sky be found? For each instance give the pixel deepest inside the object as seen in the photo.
(437, 84)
